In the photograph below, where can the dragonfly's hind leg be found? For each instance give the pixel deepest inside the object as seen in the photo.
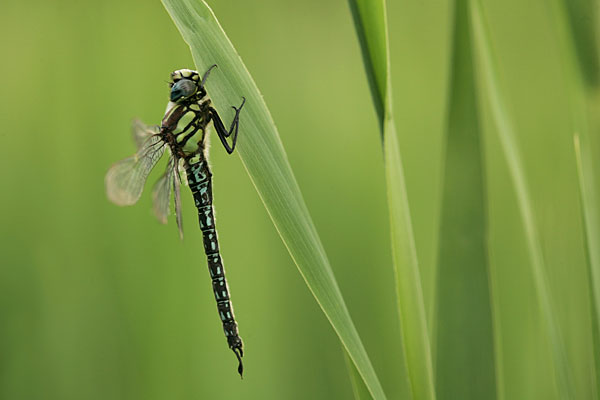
(233, 129)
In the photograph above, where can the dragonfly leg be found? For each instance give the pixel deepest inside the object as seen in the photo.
(233, 129)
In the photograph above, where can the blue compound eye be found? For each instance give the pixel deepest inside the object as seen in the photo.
(183, 89)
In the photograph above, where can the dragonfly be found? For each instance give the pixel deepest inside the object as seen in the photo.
(184, 134)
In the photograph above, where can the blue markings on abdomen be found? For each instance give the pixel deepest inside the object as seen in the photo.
(200, 182)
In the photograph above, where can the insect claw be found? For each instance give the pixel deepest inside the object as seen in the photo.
(239, 353)
(241, 105)
(205, 77)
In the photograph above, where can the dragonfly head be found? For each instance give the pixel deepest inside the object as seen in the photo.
(185, 85)
(183, 89)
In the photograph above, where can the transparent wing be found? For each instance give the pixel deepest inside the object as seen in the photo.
(176, 189)
(141, 132)
(125, 179)
(161, 193)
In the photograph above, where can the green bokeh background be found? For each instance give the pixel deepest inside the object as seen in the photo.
(102, 302)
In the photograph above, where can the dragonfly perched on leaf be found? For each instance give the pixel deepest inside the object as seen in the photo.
(184, 134)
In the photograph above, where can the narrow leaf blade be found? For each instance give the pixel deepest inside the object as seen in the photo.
(370, 20)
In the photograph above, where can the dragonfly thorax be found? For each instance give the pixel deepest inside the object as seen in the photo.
(184, 128)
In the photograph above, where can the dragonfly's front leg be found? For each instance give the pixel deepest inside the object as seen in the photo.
(233, 129)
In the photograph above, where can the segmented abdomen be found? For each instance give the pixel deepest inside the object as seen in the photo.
(200, 182)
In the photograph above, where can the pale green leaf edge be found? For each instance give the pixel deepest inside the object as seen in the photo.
(359, 390)
(507, 136)
(370, 18)
(264, 158)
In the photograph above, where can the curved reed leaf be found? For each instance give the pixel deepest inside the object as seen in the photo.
(265, 160)
(370, 20)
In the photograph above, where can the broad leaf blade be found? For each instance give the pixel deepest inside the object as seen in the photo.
(579, 46)
(267, 165)
(370, 20)
(464, 336)
(590, 226)
(584, 29)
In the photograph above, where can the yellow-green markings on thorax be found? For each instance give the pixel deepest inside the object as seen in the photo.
(193, 144)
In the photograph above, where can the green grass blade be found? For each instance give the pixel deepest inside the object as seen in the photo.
(584, 28)
(579, 48)
(507, 136)
(370, 20)
(410, 295)
(465, 367)
(267, 165)
(586, 196)
(359, 390)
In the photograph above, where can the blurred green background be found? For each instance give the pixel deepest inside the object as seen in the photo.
(102, 302)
